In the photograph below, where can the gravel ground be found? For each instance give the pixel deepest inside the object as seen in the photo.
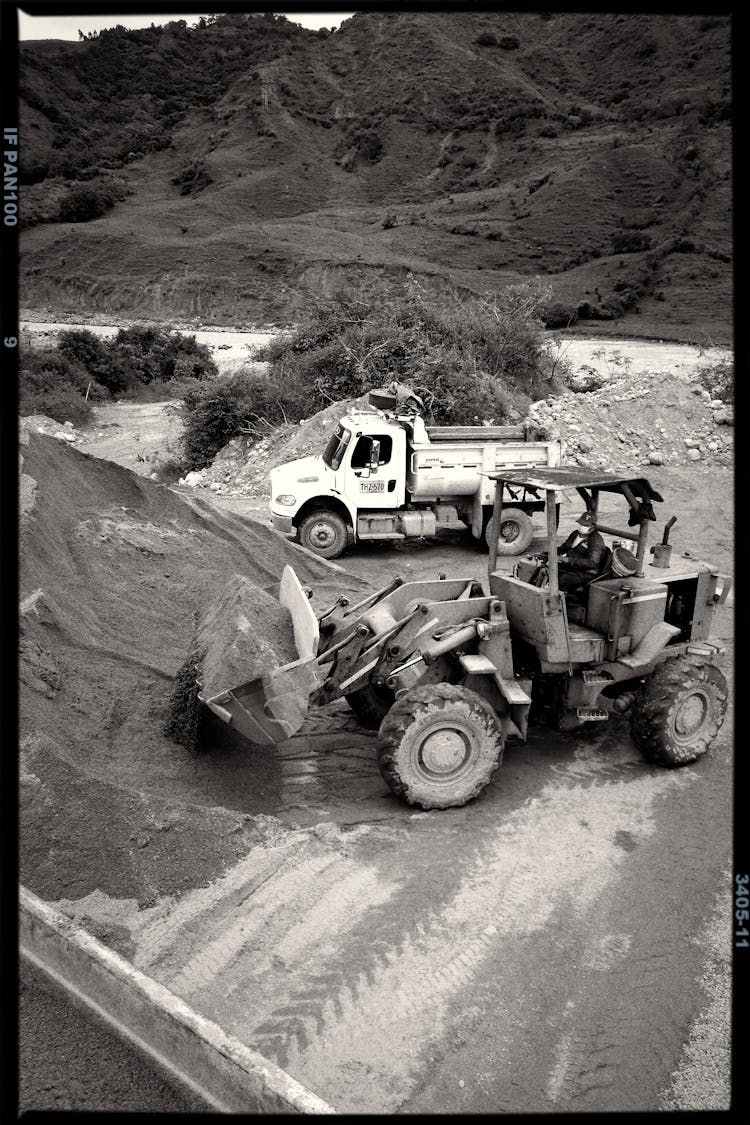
(702, 1078)
(70, 1061)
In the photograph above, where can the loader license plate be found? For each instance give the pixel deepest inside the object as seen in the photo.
(372, 486)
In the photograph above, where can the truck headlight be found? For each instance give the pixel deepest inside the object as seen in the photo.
(286, 500)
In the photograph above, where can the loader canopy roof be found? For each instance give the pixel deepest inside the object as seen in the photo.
(577, 478)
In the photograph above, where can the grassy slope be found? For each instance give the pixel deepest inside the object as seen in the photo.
(294, 207)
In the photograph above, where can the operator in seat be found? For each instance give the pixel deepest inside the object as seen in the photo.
(581, 555)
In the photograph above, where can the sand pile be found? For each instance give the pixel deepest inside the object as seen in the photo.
(245, 633)
(242, 634)
(114, 573)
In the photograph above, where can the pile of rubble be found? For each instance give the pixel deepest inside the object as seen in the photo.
(633, 420)
(636, 420)
(241, 468)
(42, 424)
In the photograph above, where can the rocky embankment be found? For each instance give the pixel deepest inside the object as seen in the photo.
(629, 422)
(637, 420)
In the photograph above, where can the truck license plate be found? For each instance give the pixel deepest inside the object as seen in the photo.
(372, 486)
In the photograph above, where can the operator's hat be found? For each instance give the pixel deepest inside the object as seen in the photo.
(585, 519)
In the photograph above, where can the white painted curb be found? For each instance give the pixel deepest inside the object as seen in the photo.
(217, 1067)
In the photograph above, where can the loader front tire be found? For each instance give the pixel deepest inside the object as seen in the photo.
(679, 711)
(439, 746)
(516, 532)
(325, 533)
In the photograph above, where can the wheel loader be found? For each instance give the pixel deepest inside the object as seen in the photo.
(448, 669)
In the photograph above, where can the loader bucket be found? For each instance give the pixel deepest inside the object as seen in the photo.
(272, 706)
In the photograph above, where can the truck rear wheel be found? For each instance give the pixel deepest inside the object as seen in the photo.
(325, 533)
(439, 746)
(679, 711)
(516, 532)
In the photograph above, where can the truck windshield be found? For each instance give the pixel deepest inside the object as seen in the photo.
(337, 443)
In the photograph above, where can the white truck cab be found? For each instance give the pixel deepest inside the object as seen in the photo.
(384, 474)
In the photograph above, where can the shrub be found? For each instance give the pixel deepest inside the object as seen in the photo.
(558, 315)
(45, 368)
(62, 403)
(630, 242)
(147, 352)
(486, 39)
(611, 309)
(192, 177)
(369, 144)
(142, 363)
(51, 384)
(247, 402)
(509, 42)
(84, 204)
(458, 350)
(718, 379)
(89, 352)
(213, 416)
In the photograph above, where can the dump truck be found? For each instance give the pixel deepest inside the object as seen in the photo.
(385, 474)
(448, 670)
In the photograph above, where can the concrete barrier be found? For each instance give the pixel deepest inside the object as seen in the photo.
(224, 1072)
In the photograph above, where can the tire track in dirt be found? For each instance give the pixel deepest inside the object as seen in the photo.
(359, 960)
(415, 987)
(622, 1010)
(337, 965)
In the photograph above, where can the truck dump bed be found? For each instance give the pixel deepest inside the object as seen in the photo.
(477, 433)
(458, 468)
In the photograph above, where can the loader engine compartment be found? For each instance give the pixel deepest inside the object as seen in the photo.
(680, 607)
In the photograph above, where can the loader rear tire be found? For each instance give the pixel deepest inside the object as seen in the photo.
(370, 704)
(679, 711)
(516, 532)
(439, 746)
(325, 533)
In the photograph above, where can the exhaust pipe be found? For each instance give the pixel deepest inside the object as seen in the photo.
(662, 552)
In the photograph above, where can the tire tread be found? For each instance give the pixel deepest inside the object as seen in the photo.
(407, 710)
(649, 723)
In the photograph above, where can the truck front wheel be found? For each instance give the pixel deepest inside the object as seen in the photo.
(325, 533)
(516, 532)
(679, 711)
(439, 746)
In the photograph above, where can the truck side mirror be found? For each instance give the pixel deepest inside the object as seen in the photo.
(374, 454)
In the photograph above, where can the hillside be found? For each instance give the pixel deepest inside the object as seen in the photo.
(257, 163)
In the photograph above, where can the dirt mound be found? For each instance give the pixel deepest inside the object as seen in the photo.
(639, 419)
(241, 468)
(114, 572)
(245, 633)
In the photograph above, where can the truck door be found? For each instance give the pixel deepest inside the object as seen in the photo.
(376, 470)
